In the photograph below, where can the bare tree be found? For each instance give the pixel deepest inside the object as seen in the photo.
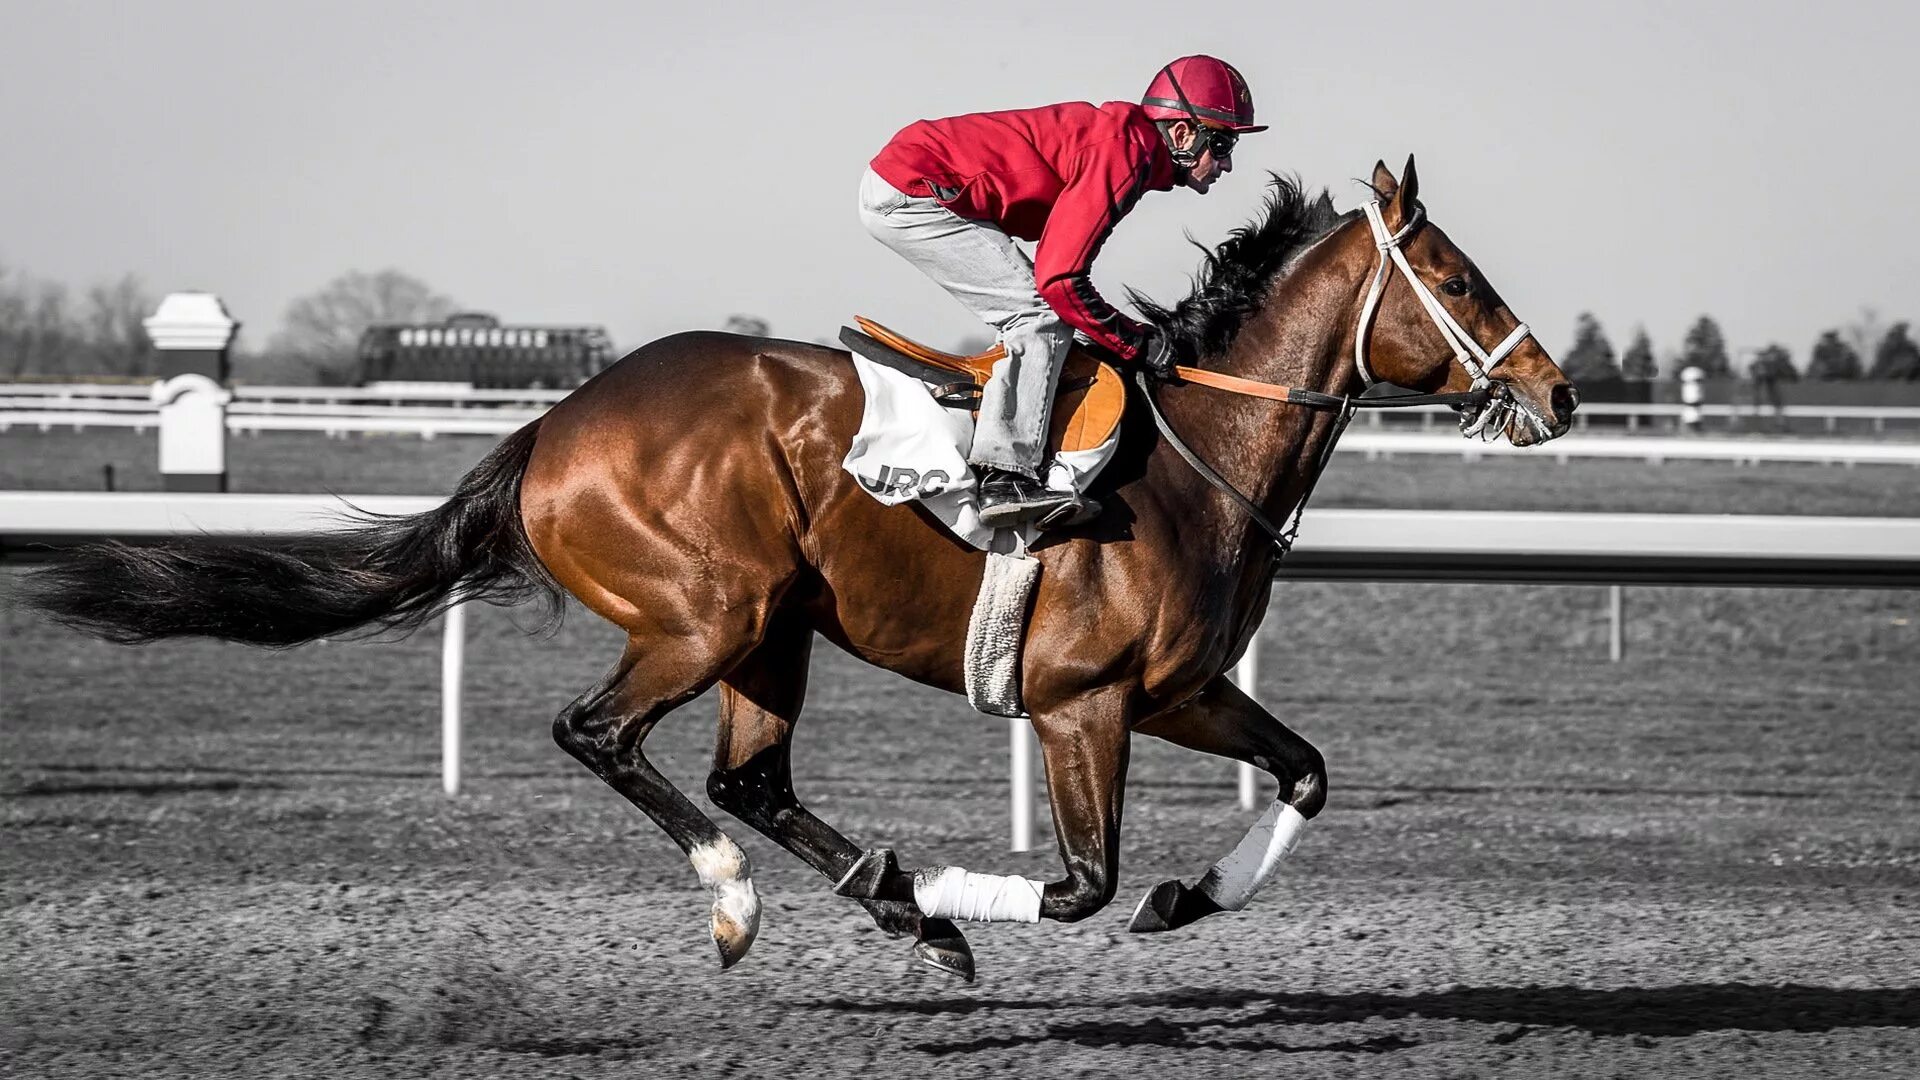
(1864, 332)
(323, 330)
(36, 335)
(113, 329)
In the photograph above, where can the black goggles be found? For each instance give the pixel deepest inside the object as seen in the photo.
(1220, 141)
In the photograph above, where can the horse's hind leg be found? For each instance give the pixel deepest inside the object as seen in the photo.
(1223, 720)
(752, 780)
(604, 729)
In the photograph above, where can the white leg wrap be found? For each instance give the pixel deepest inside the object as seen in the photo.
(724, 870)
(1232, 881)
(948, 892)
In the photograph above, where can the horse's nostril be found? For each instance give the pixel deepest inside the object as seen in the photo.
(1564, 399)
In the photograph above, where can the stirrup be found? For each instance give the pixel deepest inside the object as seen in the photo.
(1077, 510)
(1044, 503)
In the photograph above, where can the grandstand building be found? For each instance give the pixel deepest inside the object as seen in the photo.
(474, 349)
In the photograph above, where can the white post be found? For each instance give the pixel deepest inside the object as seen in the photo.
(1247, 676)
(1616, 616)
(1692, 393)
(453, 655)
(1020, 780)
(192, 332)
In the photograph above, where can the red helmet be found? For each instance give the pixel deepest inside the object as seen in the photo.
(1204, 89)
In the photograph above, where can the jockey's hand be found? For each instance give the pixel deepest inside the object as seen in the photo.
(1156, 353)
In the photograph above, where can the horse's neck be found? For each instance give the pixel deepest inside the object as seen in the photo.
(1268, 451)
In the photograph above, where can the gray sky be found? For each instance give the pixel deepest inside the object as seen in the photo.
(655, 167)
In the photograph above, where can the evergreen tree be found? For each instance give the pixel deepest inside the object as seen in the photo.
(1897, 357)
(1638, 363)
(1833, 360)
(1591, 358)
(1774, 362)
(1706, 349)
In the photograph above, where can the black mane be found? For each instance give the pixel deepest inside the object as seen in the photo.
(1233, 277)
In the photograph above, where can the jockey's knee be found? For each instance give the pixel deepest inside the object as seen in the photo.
(1039, 333)
(1088, 888)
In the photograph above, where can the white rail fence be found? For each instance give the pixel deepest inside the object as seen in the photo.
(1613, 549)
(338, 413)
(319, 399)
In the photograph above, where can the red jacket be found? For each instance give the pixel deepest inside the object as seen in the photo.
(1062, 175)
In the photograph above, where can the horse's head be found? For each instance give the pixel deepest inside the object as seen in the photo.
(1438, 325)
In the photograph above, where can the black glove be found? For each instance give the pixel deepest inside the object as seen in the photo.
(1156, 353)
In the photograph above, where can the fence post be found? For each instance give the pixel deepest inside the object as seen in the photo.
(1247, 676)
(453, 658)
(1020, 780)
(192, 332)
(1616, 617)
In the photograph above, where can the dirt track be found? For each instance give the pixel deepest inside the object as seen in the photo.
(221, 862)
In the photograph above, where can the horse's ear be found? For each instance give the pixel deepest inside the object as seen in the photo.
(1383, 181)
(1400, 205)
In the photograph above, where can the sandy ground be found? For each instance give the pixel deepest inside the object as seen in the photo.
(1702, 862)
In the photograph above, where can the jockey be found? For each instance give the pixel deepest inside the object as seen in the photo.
(950, 195)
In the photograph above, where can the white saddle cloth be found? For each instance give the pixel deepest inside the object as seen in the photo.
(912, 448)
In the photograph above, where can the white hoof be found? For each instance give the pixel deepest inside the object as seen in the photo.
(736, 920)
(724, 871)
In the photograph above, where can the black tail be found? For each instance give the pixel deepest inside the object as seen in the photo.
(385, 574)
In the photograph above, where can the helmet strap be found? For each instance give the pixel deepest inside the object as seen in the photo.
(1182, 159)
(1188, 158)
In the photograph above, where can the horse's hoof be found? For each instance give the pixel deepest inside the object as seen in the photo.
(736, 922)
(1155, 911)
(1170, 906)
(863, 879)
(942, 946)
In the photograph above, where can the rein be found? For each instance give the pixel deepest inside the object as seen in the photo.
(1485, 399)
(1346, 405)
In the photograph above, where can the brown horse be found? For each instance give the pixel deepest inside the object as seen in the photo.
(692, 495)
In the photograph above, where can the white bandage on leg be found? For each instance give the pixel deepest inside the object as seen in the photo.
(1232, 881)
(948, 892)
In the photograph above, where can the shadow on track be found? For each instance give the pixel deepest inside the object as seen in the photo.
(1667, 1011)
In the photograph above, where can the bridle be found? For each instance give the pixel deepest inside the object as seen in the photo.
(1477, 361)
(1479, 405)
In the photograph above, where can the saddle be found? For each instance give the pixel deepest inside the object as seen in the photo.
(1087, 405)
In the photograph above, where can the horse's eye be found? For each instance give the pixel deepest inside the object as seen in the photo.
(1455, 286)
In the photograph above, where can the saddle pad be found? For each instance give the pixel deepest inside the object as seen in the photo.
(910, 449)
(1086, 408)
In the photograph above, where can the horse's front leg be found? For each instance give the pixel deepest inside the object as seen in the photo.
(1223, 720)
(1084, 746)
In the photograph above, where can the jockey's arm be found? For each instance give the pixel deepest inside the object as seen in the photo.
(1106, 182)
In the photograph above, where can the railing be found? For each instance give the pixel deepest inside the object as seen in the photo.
(1668, 549)
(254, 415)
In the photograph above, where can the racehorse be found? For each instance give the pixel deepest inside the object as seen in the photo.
(692, 494)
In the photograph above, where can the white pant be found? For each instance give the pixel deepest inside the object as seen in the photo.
(985, 270)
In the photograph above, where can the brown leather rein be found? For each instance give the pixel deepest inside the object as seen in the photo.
(1346, 405)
